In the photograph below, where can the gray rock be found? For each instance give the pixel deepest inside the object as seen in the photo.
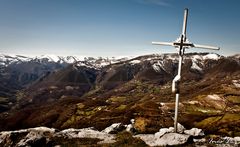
(149, 139)
(163, 131)
(5, 138)
(173, 139)
(132, 121)
(72, 133)
(166, 139)
(90, 133)
(237, 140)
(25, 137)
(33, 138)
(130, 128)
(194, 132)
(114, 128)
(36, 136)
(180, 128)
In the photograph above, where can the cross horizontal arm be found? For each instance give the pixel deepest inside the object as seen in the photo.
(205, 47)
(163, 43)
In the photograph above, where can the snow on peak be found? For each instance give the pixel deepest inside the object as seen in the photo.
(135, 62)
(124, 58)
(70, 59)
(53, 58)
(198, 60)
(5, 60)
(158, 66)
(211, 56)
(85, 64)
(195, 60)
(195, 66)
(158, 60)
(197, 57)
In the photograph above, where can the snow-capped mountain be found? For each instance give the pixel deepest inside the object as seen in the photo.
(160, 61)
(6, 60)
(18, 72)
(22, 70)
(16, 59)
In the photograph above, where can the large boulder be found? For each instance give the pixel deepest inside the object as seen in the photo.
(87, 133)
(26, 137)
(172, 139)
(42, 136)
(165, 140)
(149, 139)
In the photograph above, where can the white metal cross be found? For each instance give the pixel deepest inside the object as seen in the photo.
(181, 44)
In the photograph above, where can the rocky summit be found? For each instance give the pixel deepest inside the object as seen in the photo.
(65, 93)
(43, 136)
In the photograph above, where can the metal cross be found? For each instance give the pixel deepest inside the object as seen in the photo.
(181, 44)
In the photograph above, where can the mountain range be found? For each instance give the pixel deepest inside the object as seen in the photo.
(18, 72)
(65, 92)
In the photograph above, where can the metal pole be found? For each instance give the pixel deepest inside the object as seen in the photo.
(176, 113)
(177, 82)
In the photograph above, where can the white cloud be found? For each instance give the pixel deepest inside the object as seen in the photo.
(154, 2)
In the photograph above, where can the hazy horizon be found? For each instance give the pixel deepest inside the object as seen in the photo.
(79, 56)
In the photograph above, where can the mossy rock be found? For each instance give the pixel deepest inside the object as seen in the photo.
(231, 117)
(80, 105)
(234, 99)
(121, 107)
(118, 99)
(208, 121)
(80, 112)
(70, 121)
(221, 124)
(89, 113)
(141, 124)
(200, 97)
(201, 110)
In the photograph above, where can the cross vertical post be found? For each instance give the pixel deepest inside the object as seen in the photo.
(176, 81)
(181, 44)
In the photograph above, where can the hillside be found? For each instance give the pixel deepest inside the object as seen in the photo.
(79, 95)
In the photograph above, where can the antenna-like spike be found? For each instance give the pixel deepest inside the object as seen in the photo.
(184, 29)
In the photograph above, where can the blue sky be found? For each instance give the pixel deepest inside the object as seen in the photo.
(115, 27)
